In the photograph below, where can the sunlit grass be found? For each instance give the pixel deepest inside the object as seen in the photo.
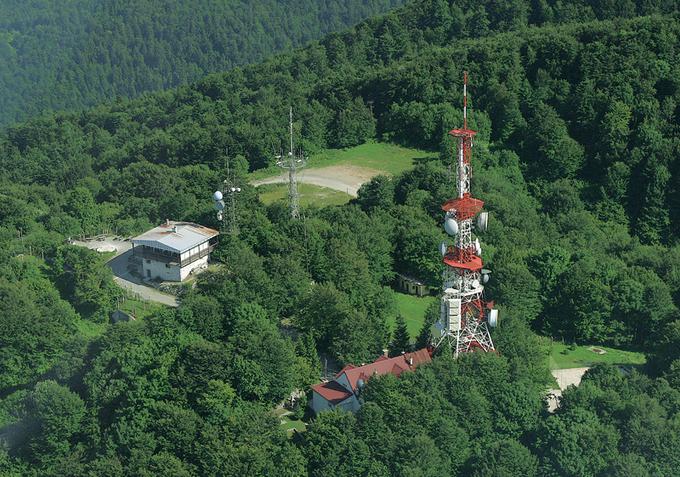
(386, 158)
(412, 308)
(562, 357)
(309, 194)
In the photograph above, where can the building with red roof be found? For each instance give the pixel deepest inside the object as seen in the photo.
(344, 390)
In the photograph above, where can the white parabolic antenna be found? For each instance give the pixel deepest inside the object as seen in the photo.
(451, 226)
(217, 195)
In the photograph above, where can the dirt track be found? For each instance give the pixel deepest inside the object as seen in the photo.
(346, 179)
(564, 378)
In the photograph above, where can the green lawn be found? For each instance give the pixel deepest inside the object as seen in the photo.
(309, 194)
(387, 158)
(561, 357)
(89, 329)
(141, 309)
(290, 425)
(412, 308)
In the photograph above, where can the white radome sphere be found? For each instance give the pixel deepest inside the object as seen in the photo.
(217, 195)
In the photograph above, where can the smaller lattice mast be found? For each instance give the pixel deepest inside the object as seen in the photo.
(226, 199)
(292, 162)
(465, 317)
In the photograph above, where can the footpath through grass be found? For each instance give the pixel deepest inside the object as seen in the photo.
(386, 158)
(412, 308)
(309, 194)
(562, 357)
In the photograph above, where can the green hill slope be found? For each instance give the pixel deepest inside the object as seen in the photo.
(64, 54)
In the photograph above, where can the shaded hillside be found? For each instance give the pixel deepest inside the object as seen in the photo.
(72, 54)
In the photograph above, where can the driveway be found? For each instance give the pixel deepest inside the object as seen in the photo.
(121, 265)
(346, 179)
(564, 378)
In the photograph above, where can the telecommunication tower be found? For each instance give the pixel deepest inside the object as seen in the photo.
(465, 317)
(292, 163)
(226, 199)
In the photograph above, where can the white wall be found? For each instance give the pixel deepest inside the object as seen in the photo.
(201, 262)
(159, 270)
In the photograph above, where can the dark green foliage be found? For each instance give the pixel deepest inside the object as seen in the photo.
(401, 341)
(576, 160)
(134, 47)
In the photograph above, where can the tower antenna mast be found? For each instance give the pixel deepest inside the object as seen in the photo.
(292, 163)
(227, 198)
(465, 317)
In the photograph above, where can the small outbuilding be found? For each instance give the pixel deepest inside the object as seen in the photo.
(412, 286)
(171, 251)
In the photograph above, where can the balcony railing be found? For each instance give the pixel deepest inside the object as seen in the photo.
(173, 258)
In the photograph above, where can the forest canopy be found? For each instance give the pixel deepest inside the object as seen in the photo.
(576, 159)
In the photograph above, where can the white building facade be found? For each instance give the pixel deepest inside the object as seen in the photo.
(172, 251)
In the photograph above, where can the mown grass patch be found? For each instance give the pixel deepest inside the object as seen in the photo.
(563, 356)
(309, 195)
(387, 158)
(412, 308)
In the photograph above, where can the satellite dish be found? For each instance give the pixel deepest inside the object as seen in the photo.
(478, 247)
(219, 205)
(360, 383)
(442, 248)
(238, 189)
(217, 195)
(475, 283)
(219, 216)
(485, 275)
(493, 318)
(451, 226)
(483, 221)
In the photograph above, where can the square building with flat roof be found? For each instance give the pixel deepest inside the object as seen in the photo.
(171, 251)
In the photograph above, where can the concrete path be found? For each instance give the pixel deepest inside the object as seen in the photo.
(120, 266)
(346, 179)
(564, 378)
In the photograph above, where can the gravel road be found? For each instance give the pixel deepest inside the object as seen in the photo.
(346, 179)
(122, 276)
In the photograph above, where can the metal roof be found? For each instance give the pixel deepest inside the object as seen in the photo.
(175, 236)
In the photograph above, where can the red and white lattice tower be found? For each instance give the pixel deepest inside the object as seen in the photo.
(465, 316)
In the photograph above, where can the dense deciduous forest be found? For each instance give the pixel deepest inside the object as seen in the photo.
(577, 160)
(66, 55)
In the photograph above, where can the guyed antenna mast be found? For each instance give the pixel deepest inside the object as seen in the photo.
(292, 162)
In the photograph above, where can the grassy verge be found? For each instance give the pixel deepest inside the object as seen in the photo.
(562, 357)
(387, 158)
(291, 425)
(309, 195)
(412, 308)
(140, 308)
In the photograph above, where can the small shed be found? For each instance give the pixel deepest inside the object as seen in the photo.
(119, 315)
(412, 286)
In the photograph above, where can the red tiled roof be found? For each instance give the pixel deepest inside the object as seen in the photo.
(395, 366)
(332, 392)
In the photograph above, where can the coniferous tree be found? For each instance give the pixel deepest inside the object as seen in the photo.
(401, 341)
